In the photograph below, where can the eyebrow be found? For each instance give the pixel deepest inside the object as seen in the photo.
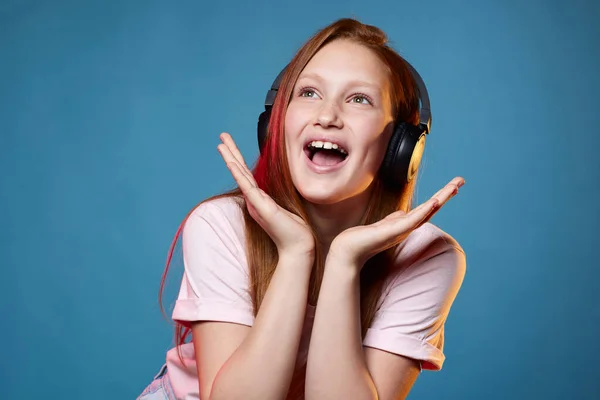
(354, 82)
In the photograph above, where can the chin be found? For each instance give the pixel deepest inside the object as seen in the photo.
(324, 194)
(321, 200)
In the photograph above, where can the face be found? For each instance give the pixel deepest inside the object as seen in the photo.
(338, 123)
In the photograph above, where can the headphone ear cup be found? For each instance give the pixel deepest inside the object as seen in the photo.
(403, 155)
(263, 127)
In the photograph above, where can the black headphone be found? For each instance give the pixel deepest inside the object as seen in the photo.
(406, 145)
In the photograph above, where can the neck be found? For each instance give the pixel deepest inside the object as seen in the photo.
(332, 219)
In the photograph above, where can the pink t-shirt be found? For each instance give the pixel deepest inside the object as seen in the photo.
(410, 322)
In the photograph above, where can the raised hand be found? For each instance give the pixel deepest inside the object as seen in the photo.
(289, 232)
(357, 244)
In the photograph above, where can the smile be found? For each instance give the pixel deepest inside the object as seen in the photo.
(325, 157)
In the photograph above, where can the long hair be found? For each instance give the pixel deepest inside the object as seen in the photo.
(272, 174)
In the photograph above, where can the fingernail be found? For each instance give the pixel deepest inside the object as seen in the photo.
(461, 183)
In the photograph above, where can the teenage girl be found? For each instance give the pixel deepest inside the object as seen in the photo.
(316, 278)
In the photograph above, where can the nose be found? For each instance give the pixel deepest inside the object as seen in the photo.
(329, 115)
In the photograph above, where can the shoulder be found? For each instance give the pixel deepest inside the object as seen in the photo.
(221, 217)
(216, 280)
(427, 240)
(220, 211)
(227, 207)
(429, 256)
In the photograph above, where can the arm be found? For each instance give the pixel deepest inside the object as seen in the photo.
(338, 365)
(258, 362)
(237, 361)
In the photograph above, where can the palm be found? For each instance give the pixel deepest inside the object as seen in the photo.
(271, 211)
(360, 243)
(287, 230)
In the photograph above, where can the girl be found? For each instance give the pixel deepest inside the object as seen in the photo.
(315, 279)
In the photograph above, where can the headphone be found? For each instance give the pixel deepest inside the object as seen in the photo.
(406, 145)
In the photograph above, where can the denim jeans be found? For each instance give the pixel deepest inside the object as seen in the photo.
(160, 388)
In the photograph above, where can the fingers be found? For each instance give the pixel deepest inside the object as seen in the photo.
(241, 178)
(421, 214)
(429, 204)
(425, 211)
(232, 156)
(262, 208)
(450, 189)
(228, 141)
(444, 194)
(255, 197)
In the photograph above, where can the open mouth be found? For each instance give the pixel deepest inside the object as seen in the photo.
(325, 153)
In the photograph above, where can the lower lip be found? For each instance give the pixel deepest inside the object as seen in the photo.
(324, 169)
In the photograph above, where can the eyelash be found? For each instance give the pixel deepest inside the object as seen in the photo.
(305, 89)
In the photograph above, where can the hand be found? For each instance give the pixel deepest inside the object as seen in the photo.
(357, 244)
(289, 232)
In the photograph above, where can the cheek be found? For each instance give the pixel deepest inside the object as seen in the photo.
(294, 123)
(292, 129)
(293, 119)
(377, 137)
(288, 124)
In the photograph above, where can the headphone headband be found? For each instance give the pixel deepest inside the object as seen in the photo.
(270, 99)
(424, 112)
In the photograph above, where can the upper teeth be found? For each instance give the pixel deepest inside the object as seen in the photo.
(327, 145)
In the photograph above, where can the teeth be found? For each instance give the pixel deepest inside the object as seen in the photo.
(317, 144)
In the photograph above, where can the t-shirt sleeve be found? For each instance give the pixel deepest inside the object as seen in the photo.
(410, 321)
(214, 286)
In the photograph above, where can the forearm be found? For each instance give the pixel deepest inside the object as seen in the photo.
(263, 365)
(336, 367)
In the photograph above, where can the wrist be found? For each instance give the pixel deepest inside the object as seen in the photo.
(303, 250)
(297, 258)
(342, 262)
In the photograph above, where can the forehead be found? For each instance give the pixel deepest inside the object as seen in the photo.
(344, 60)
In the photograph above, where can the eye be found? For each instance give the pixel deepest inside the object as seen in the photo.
(307, 92)
(360, 98)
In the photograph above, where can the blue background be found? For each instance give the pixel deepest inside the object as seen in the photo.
(109, 119)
